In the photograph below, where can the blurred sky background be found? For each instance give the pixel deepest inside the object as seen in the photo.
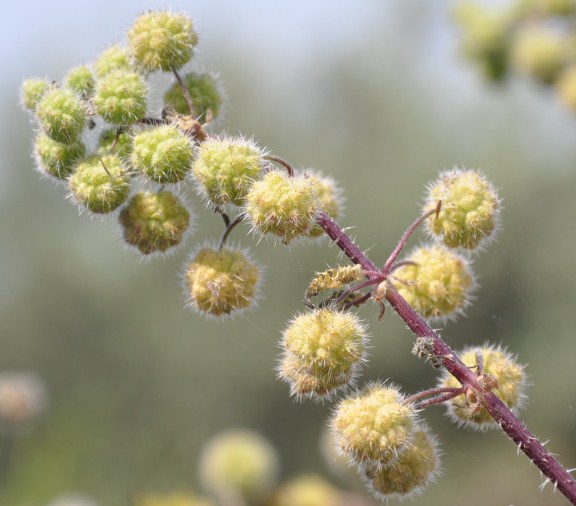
(372, 92)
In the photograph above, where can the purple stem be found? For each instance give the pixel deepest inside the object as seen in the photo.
(509, 423)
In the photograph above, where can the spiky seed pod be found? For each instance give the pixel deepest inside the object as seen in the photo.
(374, 426)
(122, 143)
(31, 91)
(55, 158)
(334, 279)
(162, 154)
(470, 208)
(80, 80)
(22, 399)
(238, 465)
(326, 342)
(62, 115)
(282, 205)
(540, 52)
(120, 97)
(226, 168)
(436, 281)
(100, 184)
(306, 490)
(415, 469)
(219, 282)
(171, 499)
(204, 92)
(113, 58)
(566, 87)
(162, 40)
(329, 196)
(154, 222)
(504, 373)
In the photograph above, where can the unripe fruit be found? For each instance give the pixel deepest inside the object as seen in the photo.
(122, 143)
(219, 282)
(100, 184)
(470, 208)
(32, 91)
(238, 466)
(154, 222)
(435, 281)
(510, 383)
(162, 41)
(306, 490)
(375, 426)
(113, 58)
(80, 80)
(329, 196)
(62, 115)
(334, 279)
(282, 205)
(226, 169)
(415, 468)
(56, 159)
(203, 90)
(120, 97)
(163, 154)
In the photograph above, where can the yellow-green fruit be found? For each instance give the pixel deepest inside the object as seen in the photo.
(171, 499)
(470, 208)
(120, 97)
(113, 58)
(203, 90)
(55, 158)
(329, 199)
(239, 465)
(219, 282)
(80, 80)
(435, 281)
(32, 91)
(282, 205)
(306, 490)
(375, 426)
(162, 154)
(415, 468)
(510, 385)
(161, 40)
(154, 222)
(100, 184)
(566, 87)
(226, 169)
(62, 115)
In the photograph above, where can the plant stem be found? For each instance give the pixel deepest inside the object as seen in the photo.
(509, 423)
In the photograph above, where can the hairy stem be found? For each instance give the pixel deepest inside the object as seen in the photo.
(509, 423)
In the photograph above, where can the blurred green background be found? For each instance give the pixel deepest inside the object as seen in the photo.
(373, 93)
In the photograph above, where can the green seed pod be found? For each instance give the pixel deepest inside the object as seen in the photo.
(162, 154)
(120, 97)
(226, 168)
(80, 80)
(470, 208)
(100, 184)
(62, 115)
(330, 199)
(154, 222)
(32, 91)
(306, 490)
(375, 426)
(435, 281)
(110, 142)
(219, 282)
(162, 40)
(499, 370)
(56, 159)
(238, 466)
(204, 92)
(113, 58)
(282, 205)
(416, 467)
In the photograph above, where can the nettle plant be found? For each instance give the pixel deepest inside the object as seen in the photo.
(136, 172)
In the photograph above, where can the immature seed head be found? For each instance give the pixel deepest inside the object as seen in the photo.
(219, 282)
(226, 169)
(470, 208)
(282, 205)
(55, 158)
(80, 80)
(306, 490)
(162, 154)
(415, 469)
(330, 199)
(240, 465)
(161, 40)
(32, 91)
(113, 58)
(375, 426)
(100, 184)
(503, 375)
(154, 222)
(62, 115)
(120, 97)
(436, 281)
(204, 92)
